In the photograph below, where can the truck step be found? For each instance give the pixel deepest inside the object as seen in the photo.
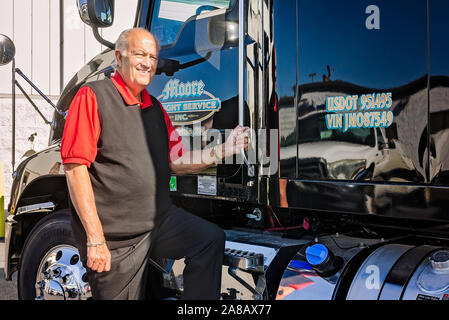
(243, 260)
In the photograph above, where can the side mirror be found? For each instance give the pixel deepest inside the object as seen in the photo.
(7, 50)
(223, 32)
(383, 146)
(392, 132)
(98, 13)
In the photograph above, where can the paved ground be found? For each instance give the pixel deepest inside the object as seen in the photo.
(8, 289)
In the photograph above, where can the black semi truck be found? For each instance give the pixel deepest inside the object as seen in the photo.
(344, 193)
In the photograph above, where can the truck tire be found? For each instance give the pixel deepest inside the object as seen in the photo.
(50, 266)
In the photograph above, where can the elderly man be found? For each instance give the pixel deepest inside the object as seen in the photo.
(118, 149)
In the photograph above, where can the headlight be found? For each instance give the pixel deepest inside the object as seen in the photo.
(345, 169)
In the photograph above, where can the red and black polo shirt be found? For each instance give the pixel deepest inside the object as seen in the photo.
(82, 126)
(127, 146)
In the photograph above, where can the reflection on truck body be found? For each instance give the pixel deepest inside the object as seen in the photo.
(334, 154)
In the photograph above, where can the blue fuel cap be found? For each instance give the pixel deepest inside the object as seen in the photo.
(316, 254)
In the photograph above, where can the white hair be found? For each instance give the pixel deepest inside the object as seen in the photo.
(122, 42)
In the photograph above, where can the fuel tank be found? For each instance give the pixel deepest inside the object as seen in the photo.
(372, 269)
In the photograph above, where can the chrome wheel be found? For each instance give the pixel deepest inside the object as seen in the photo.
(61, 276)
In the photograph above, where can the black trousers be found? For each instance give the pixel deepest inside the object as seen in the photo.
(177, 235)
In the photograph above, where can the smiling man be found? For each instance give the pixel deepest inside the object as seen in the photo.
(118, 149)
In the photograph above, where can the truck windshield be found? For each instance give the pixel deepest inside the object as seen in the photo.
(170, 15)
(313, 129)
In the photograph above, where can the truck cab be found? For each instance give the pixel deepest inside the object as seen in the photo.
(347, 165)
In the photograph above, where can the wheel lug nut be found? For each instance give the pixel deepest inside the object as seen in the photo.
(57, 272)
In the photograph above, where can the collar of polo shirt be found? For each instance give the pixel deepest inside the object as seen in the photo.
(126, 94)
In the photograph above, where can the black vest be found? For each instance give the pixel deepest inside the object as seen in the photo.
(130, 175)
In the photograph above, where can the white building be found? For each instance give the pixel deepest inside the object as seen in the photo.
(52, 44)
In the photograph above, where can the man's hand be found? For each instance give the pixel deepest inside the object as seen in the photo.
(237, 140)
(99, 258)
(82, 197)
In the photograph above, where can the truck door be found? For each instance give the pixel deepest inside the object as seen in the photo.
(361, 78)
(198, 86)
